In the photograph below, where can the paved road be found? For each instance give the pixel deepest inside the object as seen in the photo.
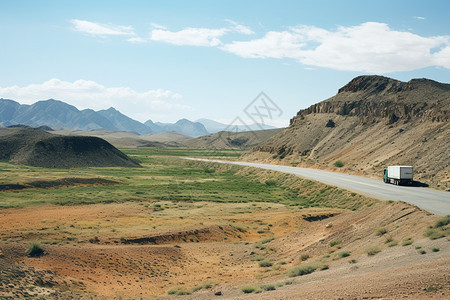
(437, 202)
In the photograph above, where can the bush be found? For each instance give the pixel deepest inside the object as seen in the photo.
(265, 264)
(304, 257)
(271, 183)
(338, 164)
(381, 232)
(435, 234)
(267, 287)
(248, 289)
(407, 241)
(301, 270)
(393, 243)
(372, 251)
(422, 252)
(266, 240)
(35, 250)
(334, 243)
(178, 292)
(435, 249)
(344, 254)
(442, 222)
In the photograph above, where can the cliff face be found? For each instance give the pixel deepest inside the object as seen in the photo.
(371, 122)
(376, 97)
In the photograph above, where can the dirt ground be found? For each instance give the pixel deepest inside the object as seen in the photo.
(144, 251)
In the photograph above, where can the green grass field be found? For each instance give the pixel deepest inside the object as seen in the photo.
(165, 176)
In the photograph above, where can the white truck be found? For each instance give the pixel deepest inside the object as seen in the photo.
(398, 175)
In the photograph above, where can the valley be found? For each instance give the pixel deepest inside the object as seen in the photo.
(193, 228)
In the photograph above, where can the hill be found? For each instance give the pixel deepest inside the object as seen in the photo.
(213, 126)
(131, 139)
(38, 148)
(236, 140)
(183, 126)
(371, 122)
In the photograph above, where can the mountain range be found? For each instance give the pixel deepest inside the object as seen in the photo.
(58, 114)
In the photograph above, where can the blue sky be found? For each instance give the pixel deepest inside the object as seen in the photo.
(166, 60)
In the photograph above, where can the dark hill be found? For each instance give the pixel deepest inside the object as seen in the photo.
(38, 148)
(372, 122)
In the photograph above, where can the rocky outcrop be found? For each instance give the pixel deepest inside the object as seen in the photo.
(373, 121)
(375, 97)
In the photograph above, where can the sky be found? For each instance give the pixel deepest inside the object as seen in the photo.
(167, 60)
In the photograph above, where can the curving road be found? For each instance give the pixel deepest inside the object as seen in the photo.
(434, 201)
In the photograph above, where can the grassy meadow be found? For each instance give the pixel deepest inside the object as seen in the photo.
(166, 176)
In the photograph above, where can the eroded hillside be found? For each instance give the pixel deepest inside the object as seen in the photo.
(372, 122)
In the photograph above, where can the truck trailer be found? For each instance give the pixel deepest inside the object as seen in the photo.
(398, 175)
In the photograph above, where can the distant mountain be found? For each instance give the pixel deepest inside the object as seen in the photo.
(58, 114)
(124, 123)
(52, 113)
(183, 126)
(213, 126)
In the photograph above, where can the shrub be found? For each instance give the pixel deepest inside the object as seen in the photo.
(248, 289)
(372, 251)
(301, 270)
(267, 287)
(271, 183)
(352, 261)
(422, 252)
(201, 286)
(266, 240)
(435, 234)
(265, 264)
(435, 249)
(178, 291)
(407, 241)
(334, 243)
(431, 289)
(338, 164)
(35, 250)
(344, 254)
(381, 232)
(392, 244)
(304, 257)
(442, 222)
(94, 240)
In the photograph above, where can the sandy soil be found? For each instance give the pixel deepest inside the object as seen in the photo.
(142, 252)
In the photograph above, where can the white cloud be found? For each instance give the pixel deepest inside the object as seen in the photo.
(274, 44)
(101, 29)
(137, 40)
(369, 47)
(236, 27)
(419, 18)
(190, 36)
(104, 30)
(89, 94)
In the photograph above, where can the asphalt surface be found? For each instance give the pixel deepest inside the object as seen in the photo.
(434, 201)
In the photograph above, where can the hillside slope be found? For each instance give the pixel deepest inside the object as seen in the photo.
(233, 140)
(372, 122)
(38, 148)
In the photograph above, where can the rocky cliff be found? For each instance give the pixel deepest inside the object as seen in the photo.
(371, 122)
